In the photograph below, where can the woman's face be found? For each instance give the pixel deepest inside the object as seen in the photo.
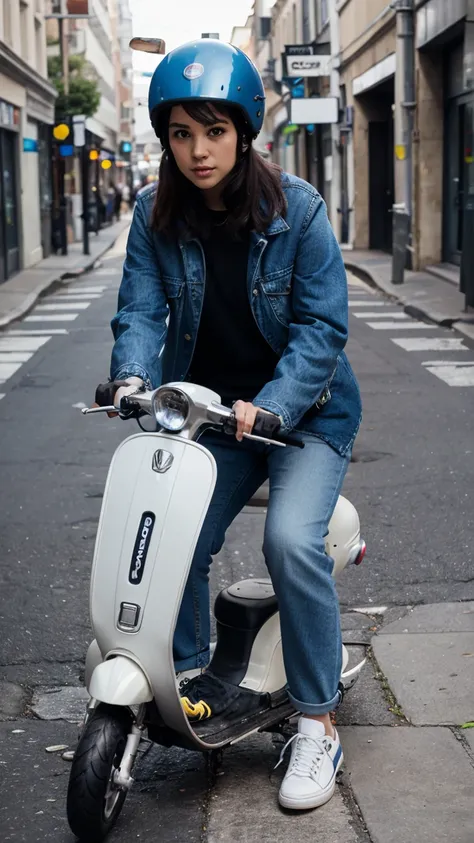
(204, 154)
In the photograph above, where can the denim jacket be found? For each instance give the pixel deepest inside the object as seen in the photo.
(298, 295)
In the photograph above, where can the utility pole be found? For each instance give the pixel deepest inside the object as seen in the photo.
(335, 91)
(405, 104)
(63, 24)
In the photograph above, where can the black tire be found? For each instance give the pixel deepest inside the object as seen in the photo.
(92, 806)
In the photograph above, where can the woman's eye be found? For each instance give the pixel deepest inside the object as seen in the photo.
(181, 134)
(216, 132)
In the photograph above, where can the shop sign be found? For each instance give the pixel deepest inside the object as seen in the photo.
(30, 145)
(302, 60)
(9, 116)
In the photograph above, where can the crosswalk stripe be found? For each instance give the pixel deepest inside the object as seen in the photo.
(448, 363)
(455, 374)
(382, 315)
(2, 395)
(368, 303)
(60, 306)
(8, 343)
(36, 332)
(8, 369)
(71, 295)
(15, 356)
(52, 317)
(401, 326)
(430, 344)
(79, 289)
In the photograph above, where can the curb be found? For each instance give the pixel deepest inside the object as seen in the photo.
(464, 327)
(31, 298)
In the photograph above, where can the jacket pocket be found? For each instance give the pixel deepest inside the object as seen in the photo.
(173, 286)
(277, 289)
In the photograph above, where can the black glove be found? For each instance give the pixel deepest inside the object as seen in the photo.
(105, 392)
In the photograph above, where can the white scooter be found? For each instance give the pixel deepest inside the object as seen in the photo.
(157, 494)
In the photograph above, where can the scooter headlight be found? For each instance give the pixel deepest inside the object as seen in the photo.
(171, 408)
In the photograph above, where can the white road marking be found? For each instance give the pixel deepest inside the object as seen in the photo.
(78, 289)
(401, 326)
(52, 317)
(79, 406)
(8, 369)
(73, 305)
(382, 315)
(455, 374)
(36, 332)
(2, 395)
(14, 356)
(71, 295)
(10, 344)
(368, 303)
(430, 344)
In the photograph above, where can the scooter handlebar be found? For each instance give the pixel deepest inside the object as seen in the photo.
(266, 427)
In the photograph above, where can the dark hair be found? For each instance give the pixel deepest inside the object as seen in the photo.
(253, 193)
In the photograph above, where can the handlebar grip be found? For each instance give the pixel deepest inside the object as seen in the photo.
(267, 426)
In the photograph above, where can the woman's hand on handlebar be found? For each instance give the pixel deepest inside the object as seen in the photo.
(114, 396)
(245, 415)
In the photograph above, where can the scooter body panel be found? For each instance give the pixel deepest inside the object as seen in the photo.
(120, 681)
(157, 495)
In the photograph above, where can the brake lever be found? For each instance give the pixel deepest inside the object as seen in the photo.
(110, 409)
(264, 440)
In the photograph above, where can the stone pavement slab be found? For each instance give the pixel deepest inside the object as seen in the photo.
(244, 803)
(436, 617)
(412, 785)
(428, 659)
(431, 675)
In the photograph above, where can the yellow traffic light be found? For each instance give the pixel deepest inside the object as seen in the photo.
(106, 164)
(61, 131)
(93, 155)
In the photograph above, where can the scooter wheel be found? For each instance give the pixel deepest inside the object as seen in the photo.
(94, 802)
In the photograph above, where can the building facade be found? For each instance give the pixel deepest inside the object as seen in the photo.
(26, 116)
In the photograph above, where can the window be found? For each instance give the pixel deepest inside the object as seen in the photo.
(323, 12)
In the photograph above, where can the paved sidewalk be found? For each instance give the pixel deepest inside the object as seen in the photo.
(423, 295)
(20, 293)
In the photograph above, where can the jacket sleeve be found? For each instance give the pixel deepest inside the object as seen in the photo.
(140, 326)
(318, 332)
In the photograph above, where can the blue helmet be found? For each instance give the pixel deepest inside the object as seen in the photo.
(208, 69)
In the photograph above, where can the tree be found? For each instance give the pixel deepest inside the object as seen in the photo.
(84, 93)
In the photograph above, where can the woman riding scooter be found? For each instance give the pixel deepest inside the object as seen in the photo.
(233, 279)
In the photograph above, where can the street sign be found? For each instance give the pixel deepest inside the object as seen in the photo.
(315, 110)
(79, 126)
(304, 60)
(308, 66)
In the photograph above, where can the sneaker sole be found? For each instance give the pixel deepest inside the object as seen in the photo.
(309, 802)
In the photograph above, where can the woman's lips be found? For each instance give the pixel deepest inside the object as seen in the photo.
(203, 172)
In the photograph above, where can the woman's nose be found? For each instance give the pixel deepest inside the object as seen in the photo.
(200, 148)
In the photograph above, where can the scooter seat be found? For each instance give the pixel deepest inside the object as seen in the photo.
(246, 604)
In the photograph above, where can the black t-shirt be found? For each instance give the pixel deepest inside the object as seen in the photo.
(231, 356)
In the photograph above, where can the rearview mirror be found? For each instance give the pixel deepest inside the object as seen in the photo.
(148, 45)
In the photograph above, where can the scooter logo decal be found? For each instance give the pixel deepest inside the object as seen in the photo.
(162, 461)
(140, 551)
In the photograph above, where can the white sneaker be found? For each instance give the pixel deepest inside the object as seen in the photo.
(310, 780)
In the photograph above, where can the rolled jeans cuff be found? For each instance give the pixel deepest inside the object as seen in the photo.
(322, 708)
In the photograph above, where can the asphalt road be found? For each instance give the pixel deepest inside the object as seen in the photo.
(412, 480)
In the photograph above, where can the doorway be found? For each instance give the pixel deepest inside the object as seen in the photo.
(9, 237)
(459, 159)
(381, 185)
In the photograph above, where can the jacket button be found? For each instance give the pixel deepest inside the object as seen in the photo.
(255, 292)
(187, 337)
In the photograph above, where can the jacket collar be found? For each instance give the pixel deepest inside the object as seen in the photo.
(277, 226)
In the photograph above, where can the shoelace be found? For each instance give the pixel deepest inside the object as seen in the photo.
(308, 754)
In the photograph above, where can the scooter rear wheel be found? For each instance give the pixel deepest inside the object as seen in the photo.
(93, 800)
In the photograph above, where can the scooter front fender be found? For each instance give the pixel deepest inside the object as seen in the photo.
(120, 681)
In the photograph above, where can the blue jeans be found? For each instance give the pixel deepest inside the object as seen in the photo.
(304, 488)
